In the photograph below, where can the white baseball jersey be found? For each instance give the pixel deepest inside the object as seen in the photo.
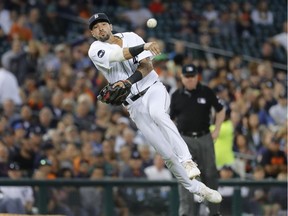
(114, 71)
(150, 111)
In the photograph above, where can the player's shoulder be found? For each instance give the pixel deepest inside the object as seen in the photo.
(127, 34)
(97, 45)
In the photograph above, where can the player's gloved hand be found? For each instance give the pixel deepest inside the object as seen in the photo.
(115, 93)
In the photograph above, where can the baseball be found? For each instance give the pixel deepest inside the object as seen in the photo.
(151, 23)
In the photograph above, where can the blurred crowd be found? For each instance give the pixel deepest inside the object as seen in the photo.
(52, 126)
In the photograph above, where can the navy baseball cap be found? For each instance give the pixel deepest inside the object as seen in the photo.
(189, 70)
(98, 17)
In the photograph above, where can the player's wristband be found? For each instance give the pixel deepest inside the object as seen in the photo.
(134, 51)
(135, 77)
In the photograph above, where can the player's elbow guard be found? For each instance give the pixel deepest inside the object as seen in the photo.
(117, 55)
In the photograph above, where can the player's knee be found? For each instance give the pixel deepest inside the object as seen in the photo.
(169, 161)
(157, 114)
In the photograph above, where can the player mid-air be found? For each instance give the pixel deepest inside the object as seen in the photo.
(125, 61)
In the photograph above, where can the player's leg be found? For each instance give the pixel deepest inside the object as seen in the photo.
(153, 135)
(158, 101)
(150, 130)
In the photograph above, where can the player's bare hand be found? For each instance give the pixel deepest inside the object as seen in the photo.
(152, 47)
(122, 84)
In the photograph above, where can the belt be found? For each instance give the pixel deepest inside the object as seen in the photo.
(137, 96)
(195, 134)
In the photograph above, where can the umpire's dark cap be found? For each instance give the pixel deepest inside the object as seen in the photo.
(189, 70)
(98, 17)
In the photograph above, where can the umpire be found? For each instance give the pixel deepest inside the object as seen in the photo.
(191, 110)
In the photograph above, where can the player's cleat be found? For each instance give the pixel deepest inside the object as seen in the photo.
(191, 169)
(207, 193)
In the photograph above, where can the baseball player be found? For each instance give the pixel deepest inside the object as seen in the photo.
(125, 61)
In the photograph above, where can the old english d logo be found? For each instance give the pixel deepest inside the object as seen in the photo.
(100, 53)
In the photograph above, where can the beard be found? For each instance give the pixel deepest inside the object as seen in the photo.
(104, 38)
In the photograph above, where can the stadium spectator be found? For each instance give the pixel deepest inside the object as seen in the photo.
(110, 161)
(146, 154)
(9, 109)
(281, 38)
(277, 196)
(273, 159)
(4, 157)
(12, 199)
(88, 195)
(135, 169)
(210, 13)
(33, 23)
(5, 18)
(188, 11)
(257, 198)
(244, 23)
(157, 7)
(96, 137)
(234, 10)
(255, 132)
(22, 193)
(9, 88)
(136, 15)
(262, 15)
(278, 112)
(224, 143)
(133, 194)
(244, 152)
(8, 139)
(259, 107)
(267, 52)
(158, 171)
(224, 26)
(19, 29)
(24, 156)
(226, 173)
(53, 25)
(124, 156)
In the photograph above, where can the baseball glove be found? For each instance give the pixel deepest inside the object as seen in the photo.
(115, 93)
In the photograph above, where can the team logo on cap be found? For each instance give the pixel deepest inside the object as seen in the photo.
(96, 16)
(100, 53)
(190, 69)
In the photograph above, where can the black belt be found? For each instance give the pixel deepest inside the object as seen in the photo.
(195, 134)
(140, 94)
(135, 97)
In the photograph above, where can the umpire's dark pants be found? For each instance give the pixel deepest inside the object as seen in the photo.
(202, 150)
